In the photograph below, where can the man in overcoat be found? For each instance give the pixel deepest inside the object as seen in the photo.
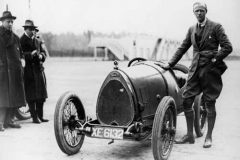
(12, 93)
(205, 71)
(35, 80)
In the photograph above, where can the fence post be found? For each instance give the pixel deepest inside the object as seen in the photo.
(95, 53)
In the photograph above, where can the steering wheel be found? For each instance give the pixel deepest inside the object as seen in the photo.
(136, 59)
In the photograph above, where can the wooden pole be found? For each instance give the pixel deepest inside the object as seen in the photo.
(29, 9)
(6, 7)
(95, 53)
(106, 54)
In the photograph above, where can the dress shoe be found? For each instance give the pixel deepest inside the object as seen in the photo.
(185, 139)
(208, 142)
(13, 125)
(2, 128)
(36, 121)
(44, 120)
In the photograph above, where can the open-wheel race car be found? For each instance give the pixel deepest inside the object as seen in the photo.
(139, 102)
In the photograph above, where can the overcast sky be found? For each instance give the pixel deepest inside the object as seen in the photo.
(168, 18)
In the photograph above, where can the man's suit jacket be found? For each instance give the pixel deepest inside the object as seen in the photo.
(213, 36)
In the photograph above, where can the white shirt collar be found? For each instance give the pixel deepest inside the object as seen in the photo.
(203, 23)
(28, 36)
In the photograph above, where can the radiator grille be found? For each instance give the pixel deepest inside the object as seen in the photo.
(114, 104)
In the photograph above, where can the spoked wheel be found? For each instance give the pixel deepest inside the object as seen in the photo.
(164, 129)
(200, 116)
(136, 59)
(23, 113)
(69, 113)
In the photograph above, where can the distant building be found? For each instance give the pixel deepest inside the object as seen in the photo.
(131, 46)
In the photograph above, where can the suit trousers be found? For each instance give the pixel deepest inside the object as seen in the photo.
(2, 115)
(207, 80)
(36, 109)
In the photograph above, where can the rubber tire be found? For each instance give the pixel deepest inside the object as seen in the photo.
(197, 125)
(157, 126)
(22, 116)
(181, 67)
(58, 128)
(136, 59)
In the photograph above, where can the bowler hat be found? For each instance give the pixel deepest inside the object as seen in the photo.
(7, 14)
(29, 24)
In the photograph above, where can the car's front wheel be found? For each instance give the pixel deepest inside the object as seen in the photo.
(164, 129)
(69, 111)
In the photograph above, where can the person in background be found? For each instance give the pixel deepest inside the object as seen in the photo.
(12, 95)
(35, 31)
(205, 71)
(39, 44)
(34, 76)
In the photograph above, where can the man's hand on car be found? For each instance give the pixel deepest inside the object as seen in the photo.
(165, 66)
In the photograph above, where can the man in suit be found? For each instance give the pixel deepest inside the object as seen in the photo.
(12, 95)
(34, 76)
(205, 71)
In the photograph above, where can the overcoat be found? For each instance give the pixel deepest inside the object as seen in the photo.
(213, 36)
(34, 75)
(11, 71)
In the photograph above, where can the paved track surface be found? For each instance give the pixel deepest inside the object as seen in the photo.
(37, 141)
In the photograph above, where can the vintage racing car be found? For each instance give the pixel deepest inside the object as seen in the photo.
(138, 102)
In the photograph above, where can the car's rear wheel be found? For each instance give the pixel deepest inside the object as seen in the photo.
(23, 113)
(69, 111)
(200, 116)
(164, 129)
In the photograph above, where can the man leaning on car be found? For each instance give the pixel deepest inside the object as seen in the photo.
(205, 71)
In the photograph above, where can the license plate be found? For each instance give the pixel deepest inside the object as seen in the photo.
(106, 132)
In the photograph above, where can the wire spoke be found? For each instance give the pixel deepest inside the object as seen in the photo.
(71, 136)
(167, 137)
